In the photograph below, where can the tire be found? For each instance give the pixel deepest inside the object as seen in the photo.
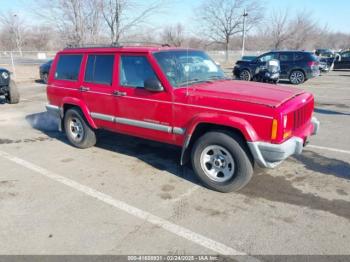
(245, 75)
(78, 131)
(297, 77)
(13, 96)
(45, 77)
(222, 161)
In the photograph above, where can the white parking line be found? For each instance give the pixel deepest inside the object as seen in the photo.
(185, 233)
(330, 149)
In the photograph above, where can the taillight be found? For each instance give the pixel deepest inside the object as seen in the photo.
(311, 63)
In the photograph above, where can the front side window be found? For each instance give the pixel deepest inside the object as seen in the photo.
(345, 55)
(267, 57)
(286, 57)
(99, 69)
(135, 70)
(188, 67)
(68, 67)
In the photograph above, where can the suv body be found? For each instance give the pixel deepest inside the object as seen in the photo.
(180, 97)
(296, 66)
(44, 71)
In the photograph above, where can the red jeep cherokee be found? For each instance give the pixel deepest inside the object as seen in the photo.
(180, 97)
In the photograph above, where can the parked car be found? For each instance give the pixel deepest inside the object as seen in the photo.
(8, 87)
(342, 60)
(296, 66)
(180, 97)
(44, 71)
(326, 59)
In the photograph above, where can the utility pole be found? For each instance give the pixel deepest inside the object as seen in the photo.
(245, 14)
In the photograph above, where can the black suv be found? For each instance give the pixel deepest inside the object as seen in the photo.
(44, 71)
(296, 66)
(8, 88)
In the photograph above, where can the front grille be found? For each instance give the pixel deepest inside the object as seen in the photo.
(301, 116)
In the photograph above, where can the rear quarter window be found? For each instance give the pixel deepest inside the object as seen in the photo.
(68, 67)
(299, 57)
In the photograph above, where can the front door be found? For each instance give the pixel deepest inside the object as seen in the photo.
(141, 112)
(97, 88)
(343, 62)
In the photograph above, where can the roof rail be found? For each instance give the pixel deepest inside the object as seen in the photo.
(115, 45)
(140, 43)
(80, 46)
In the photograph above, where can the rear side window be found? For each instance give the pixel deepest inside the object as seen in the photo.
(299, 57)
(286, 57)
(135, 70)
(68, 67)
(99, 69)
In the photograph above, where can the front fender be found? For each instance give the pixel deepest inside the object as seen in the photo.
(83, 107)
(228, 121)
(223, 120)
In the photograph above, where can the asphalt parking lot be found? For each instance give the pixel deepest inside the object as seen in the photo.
(130, 196)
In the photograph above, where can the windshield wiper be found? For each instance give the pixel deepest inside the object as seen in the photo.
(192, 81)
(217, 78)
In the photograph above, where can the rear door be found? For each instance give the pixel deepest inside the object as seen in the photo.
(141, 112)
(287, 63)
(98, 83)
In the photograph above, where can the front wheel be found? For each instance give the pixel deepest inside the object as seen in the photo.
(245, 75)
(78, 131)
(221, 161)
(297, 77)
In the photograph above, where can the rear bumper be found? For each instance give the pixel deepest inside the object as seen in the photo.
(57, 113)
(269, 155)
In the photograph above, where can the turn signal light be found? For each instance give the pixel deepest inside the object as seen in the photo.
(274, 129)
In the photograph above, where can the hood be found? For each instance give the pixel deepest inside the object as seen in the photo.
(250, 92)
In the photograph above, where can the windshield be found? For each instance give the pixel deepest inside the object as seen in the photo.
(184, 68)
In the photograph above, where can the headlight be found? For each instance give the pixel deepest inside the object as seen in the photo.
(5, 75)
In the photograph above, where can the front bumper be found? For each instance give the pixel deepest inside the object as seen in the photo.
(271, 155)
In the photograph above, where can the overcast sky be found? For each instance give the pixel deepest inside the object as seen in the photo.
(335, 14)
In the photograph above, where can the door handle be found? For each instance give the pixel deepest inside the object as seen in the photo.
(84, 89)
(119, 93)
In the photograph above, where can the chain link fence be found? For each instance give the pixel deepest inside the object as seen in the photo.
(24, 65)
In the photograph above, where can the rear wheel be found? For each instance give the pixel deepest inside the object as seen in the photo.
(297, 77)
(79, 133)
(45, 77)
(13, 94)
(222, 162)
(245, 75)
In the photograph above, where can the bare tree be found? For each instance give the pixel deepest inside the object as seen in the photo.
(220, 20)
(302, 29)
(173, 35)
(78, 21)
(15, 28)
(123, 15)
(278, 28)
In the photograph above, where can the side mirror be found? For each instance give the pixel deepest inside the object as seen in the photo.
(153, 85)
